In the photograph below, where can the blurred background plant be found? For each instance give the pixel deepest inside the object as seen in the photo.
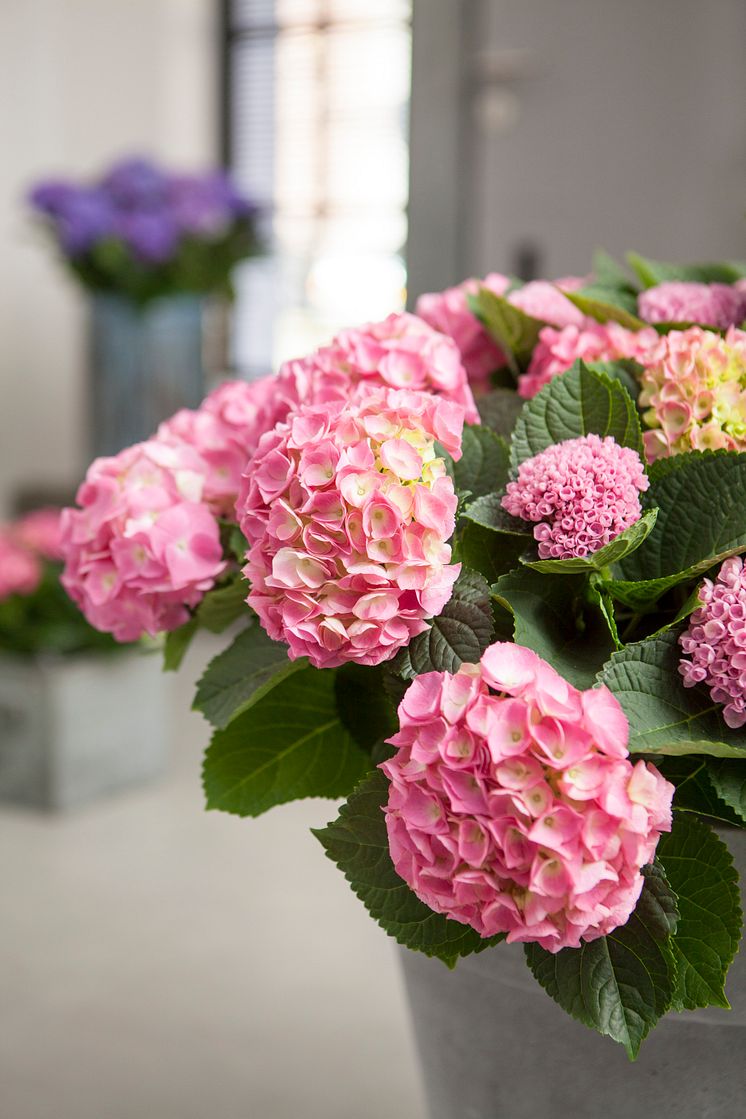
(144, 232)
(36, 614)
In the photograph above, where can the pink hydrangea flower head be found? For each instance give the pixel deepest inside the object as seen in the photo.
(347, 509)
(715, 641)
(142, 547)
(558, 349)
(225, 431)
(20, 569)
(448, 311)
(694, 392)
(545, 301)
(580, 494)
(40, 532)
(513, 805)
(718, 305)
(402, 352)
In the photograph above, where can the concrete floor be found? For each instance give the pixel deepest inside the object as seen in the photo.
(160, 962)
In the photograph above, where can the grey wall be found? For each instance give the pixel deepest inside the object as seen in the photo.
(568, 125)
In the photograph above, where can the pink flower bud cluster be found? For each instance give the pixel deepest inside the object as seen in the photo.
(402, 352)
(448, 311)
(347, 509)
(557, 350)
(142, 547)
(514, 807)
(694, 392)
(718, 305)
(580, 494)
(225, 431)
(715, 641)
(20, 568)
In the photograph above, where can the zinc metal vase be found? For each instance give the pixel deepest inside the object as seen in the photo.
(493, 1045)
(146, 363)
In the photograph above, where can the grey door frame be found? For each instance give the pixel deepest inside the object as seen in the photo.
(440, 137)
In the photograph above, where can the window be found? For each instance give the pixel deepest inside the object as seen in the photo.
(316, 132)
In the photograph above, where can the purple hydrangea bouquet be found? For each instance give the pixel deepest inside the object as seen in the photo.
(480, 571)
(144, 232)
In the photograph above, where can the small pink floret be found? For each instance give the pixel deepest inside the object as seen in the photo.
(580, 494)
(513, 805)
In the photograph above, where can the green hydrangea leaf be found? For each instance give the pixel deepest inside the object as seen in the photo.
(365, 708)
(554, 618)
(701, 521)
(487, 511)
(490, 553)
(176, 643)
(621, 546)
(460, 633)
(653, 272)
(620, 984)
(578, 402)
(290, 744)
(222, 606)
(695, 791)
(664, 716)
(728, 779)
(700, 869)
(238, 677)
(514, 331)
(607, 304)
(357, 842)
(499, 410)
(483, 466)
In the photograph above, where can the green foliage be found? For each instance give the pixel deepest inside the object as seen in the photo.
(224, 605)
(695, 789)
(483, 466)
(620, 984)
(652, 272)
(290, 744)
(664, 716)
(242, 674)
(487, 511)
(365, 708)
(176, 644)
(556, 619)
(357, 842)
(607, 304)
(490, 553)
(48, 621)
(460, 633)
(621, 546)
(701, 521)
(700, 870)
(514, 331)
(576, 403)
(499, 410)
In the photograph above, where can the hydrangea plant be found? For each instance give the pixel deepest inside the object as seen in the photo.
(144, 232)
(512, 633)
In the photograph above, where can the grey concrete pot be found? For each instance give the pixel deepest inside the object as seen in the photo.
(494, 1046)
(76, 728)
